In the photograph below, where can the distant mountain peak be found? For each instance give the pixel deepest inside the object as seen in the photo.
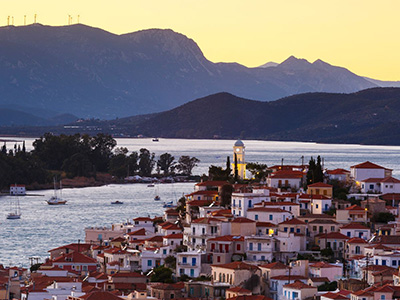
(295, 63)
(268, 65)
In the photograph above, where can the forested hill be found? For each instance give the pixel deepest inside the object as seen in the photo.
(368, 117)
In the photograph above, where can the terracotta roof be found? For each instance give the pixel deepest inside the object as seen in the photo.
(169, 286)
(333, 235)
(335, 296)
(287, 174)
(205, 220)
(323, 265)
(319, 279)
(354, 207)
(141, 231)
(199, 202)
(74, 246)
(227, 238)
(372, 180)
(238, 289)
(320, 184)
(316, 216)
(75, 257)
(156, 238)
(390, 180)
(338, 172)
(100, 296)
(242, 220)
(127, 275)
(298, 285)
(293, 221)
(236, 265)
(314, 197)
(275, 265)
(368, 165)
(267, 209)
(212, 183)
(209, 193)
(174, 236)
(252, 297)
(356, 240)
(354, 226)
(265, 224)
(143, 219)
(286, 277)
(279, 203)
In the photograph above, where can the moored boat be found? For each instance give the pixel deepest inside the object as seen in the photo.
(117, 202)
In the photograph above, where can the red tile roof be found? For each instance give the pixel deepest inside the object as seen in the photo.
(298, 285)
(75, 257)
(333, 235)
(140, 232)
(275, 265)
(334, 296)
(237, 265)
(287, 174)
(238, 289)
(265, 224)
(320, 184)
(205, 220)
(227, 238)
(354, 226)
(100, 296)
(356, 240)
(293, 221)
(323, 265)
(242, 220)
(174, 236)
(367, 165)
(354, 207)
(338, 172)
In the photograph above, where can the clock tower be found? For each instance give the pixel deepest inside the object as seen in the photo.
(238, 156)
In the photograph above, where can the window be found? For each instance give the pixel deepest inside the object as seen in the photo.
(194, 260)
(240, 213)
(316, 206)
(172, 296)
(249, 204)
(298, 230)
(262, 257)
(218, 258)
(238, 247)
(194, 230)
(332, 228)
(256, 217)
(203, 230)
(348, 233)
(271, 217)
(291, 229)
(193, 241)
(251, 246)
(259, 246)
(383, 297)
(149, 263)
(234, 202)
(394, 263)
(240, 203)
(314, 228)
(181, 271)
(383, 262)
(285, 229)
(203, 241)
(371, 186)
(184, 260)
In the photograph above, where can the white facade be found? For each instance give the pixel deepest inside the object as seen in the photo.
(260, 248)
(266, 214)
(241, 202)
(320, 206)
(17, 190)
(188, 263)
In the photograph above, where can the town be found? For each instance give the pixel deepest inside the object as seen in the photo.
(300, 232)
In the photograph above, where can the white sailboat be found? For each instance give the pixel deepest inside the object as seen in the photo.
(56, 200)
(15, 211)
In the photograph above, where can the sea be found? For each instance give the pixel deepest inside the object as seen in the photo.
(43, 227)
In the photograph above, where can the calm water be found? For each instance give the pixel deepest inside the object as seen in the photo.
(43, 227)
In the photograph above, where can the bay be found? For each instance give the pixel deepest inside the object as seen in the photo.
(43, 227)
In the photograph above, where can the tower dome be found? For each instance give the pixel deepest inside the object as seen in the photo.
(239, 143)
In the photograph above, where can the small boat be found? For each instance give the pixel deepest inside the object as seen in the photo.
(168, 204)
(56, 200)
(16, 214)
(155, 139)
(117, 202)
(157, 198)
(150, 185)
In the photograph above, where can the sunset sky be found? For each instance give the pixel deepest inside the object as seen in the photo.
(361, 35)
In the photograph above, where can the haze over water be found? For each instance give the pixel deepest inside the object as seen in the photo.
(43, 227)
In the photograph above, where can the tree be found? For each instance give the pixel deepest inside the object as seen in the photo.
(170, 261)
(161, 274)
(228, 166)
(133, 165)
(383, 217)
(236, 174)
(186, 164)
(310, 177)
(319, 174)
(216, 173)
(78, 165)
(258, 171)
(146, 162)
(119, 165)
(226, 195)
(165, 163)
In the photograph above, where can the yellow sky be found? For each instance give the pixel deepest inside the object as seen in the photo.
(361, 35)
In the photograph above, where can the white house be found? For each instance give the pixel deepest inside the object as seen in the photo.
(188, 263)
(17, 190)
(293, 208)
(380, 185)
(322, 269)
(338, 174)
(298, 290)
(358, 230)
(367, 170)
(241, 202)
(286, 178)
(268, 214)
(260, 248)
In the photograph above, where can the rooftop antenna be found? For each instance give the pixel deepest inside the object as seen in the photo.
(8, 21)
(12, 21)
(69, 19)
(24, 20)
(34, 19)
(78, 18)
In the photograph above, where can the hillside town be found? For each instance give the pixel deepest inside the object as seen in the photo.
(291, 235)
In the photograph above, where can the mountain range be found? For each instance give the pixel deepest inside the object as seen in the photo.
(87, 72)
(365, 117)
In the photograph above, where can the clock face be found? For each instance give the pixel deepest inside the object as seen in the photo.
(237, 149)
